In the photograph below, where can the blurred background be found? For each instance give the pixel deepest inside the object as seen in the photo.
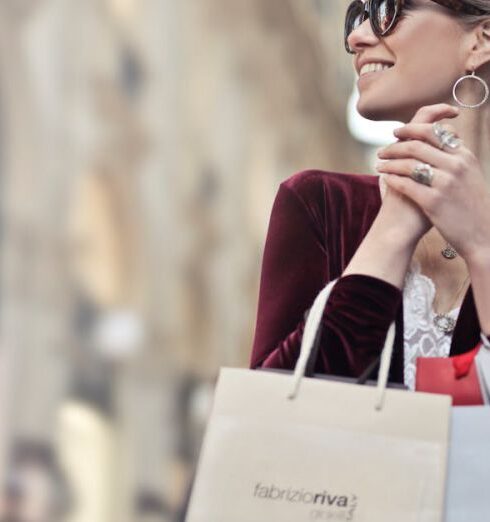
(141, 146)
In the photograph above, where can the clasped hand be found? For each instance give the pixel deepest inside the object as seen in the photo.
(458, 201)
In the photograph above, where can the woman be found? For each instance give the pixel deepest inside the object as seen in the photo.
(418, 253)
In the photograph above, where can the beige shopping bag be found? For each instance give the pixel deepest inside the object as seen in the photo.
(283, 448)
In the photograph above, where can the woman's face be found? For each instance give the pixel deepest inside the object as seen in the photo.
(428, 52)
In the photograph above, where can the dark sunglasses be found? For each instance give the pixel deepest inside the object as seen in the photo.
(384, 14)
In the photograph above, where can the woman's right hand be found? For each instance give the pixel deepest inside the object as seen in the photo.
(397, 211)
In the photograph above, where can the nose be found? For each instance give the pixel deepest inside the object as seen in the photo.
(362, 36)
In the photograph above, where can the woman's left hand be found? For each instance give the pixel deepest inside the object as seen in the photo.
(458, 200)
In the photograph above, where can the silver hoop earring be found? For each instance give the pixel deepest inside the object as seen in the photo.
(471, 76)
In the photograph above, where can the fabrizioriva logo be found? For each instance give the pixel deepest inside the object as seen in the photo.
(325, 505)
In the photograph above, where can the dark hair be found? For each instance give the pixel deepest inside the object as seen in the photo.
(471, 20)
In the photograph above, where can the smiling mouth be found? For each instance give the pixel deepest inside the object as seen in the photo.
(370, 74)
(372, 68)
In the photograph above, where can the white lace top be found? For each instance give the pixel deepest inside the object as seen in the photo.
(421, 337)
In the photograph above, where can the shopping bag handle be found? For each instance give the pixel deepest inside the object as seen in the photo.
(309, 334)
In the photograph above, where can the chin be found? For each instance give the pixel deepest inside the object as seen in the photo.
(383, 112)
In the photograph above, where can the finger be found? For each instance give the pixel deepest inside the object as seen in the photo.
(406, 167)
(403, 167)
(425, 132)
(398, 167)
(432, 113)
(418, 150)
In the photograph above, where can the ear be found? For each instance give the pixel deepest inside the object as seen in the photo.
(480, 52)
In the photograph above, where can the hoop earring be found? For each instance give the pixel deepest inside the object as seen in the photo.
(471, 76)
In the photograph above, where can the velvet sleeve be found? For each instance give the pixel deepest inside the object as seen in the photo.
(297, 264)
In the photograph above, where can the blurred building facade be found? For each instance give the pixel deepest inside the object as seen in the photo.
(143, 142)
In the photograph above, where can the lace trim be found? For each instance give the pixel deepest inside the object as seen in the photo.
(421, 337)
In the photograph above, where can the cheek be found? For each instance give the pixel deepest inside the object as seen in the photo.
(431, 64)
(428, 45)
(431, 78)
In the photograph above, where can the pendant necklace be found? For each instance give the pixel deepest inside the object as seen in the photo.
(449, 252)
(444, 322)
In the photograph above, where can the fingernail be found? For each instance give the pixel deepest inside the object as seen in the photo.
(396, 132)
(379, 164)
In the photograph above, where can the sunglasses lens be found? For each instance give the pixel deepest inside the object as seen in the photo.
(383, 15)
(354, 17)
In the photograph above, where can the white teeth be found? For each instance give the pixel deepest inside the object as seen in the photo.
(373, 67)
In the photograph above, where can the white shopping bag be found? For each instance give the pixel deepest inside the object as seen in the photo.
(282, 448)
(468, 498)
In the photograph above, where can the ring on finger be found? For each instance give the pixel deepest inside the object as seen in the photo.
(439, 130)
(449, 139)
(445, 137)
(423, 174)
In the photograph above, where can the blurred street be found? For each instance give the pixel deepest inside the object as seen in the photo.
(141, 146)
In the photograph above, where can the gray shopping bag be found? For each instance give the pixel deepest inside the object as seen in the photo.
(468, 496)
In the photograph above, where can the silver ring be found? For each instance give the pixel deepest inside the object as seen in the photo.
(423, 174)
(445, 137)
(450, 140)
(438, 129)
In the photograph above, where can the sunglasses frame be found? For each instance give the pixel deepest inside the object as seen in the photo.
(368, 11)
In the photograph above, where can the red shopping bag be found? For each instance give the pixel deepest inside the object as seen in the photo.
(456, 376)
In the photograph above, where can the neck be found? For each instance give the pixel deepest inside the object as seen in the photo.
(448, 275)
(429, 254)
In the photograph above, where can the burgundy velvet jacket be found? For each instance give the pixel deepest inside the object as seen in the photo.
(317, 223)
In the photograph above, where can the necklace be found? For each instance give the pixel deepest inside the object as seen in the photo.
(449, 252)
(444, 322)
